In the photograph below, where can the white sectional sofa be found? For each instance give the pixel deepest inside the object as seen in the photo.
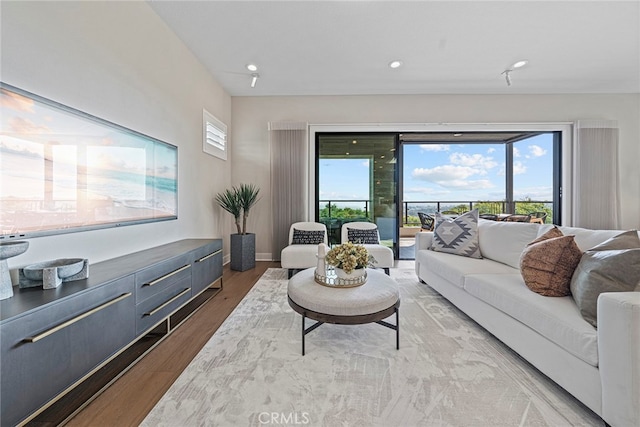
(600, 367)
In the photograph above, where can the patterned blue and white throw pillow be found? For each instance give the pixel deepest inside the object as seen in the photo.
(307, 237)
(457, 236)
(362, 236)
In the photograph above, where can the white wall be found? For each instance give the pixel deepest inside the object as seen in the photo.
(118, 61)
(250, 116)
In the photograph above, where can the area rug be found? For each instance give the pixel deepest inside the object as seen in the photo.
(448, 371)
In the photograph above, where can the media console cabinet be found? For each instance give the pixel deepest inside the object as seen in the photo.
(61, 347)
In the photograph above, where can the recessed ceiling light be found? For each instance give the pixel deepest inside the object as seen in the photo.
(520, 63)
(252, 67)
(354, 142)
(457, 134)
(395, 64)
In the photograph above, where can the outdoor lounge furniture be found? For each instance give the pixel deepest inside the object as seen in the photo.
(298, 256)
(427, 222)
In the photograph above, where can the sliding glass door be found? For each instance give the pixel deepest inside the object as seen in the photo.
(357, 181)
(498, 173)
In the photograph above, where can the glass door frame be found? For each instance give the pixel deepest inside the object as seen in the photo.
(315, 182)
(566, 129)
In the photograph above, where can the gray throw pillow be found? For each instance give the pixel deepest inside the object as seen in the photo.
(307, 237)
(612, 266)
(363, 236)
(458, 236)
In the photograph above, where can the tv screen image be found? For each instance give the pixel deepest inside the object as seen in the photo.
(62, 170)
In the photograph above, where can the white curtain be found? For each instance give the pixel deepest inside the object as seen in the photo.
(289, 175)
(596, 200)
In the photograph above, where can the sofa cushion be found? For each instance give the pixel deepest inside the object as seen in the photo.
(557, 319)
(585, 238)
(548, 263)
(454, 269)
(612, 266)
(307, 237)
(458, 236)
(363, 236)
(505, 241)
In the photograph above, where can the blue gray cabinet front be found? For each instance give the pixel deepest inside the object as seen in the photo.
(50, 340)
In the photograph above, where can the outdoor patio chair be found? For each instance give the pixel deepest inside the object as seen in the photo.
(518, 218)
(366, 234)
(427, 222)
(539, 217)
(304, 238)
(490, 217)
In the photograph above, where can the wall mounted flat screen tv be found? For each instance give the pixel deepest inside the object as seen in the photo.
(63, 170)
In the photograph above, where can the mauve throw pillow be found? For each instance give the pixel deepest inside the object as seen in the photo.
(612, 266)
(548, 263)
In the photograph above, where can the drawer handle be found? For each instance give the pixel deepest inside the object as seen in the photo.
(209, 256)
(163, 305)
(160, 279)
(75, 319)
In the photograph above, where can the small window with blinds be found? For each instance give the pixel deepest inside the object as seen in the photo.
(214, 136)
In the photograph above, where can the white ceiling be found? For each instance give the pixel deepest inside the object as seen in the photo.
(448, 47)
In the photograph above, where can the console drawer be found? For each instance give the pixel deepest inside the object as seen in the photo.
(207, 267)
(153, 310)
(45, 352)
(156, 279)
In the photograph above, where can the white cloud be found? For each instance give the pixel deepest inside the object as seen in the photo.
(366, 163)
(516, 152)
(491, 150)
(473, 160)
(434, 147)
(446, 172)
(537, 151)
(453, 176)
(519, 168)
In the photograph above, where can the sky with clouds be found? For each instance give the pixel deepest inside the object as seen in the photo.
(462, 172)
(451, 172)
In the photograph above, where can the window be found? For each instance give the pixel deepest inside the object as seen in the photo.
(214, 134)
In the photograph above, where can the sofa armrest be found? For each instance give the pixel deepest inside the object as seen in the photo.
(619, 356)
(423, 241)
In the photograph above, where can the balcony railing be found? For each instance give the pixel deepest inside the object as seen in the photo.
(411, 208)
(361, 208)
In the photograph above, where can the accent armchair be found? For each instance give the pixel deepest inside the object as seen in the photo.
(366, 234)
(304, 238)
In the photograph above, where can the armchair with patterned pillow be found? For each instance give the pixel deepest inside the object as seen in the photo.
(366, 234)
(304, 238)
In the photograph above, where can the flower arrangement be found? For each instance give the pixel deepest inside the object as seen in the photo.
(349, 256)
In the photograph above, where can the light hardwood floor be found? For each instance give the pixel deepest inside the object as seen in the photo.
(132, 396)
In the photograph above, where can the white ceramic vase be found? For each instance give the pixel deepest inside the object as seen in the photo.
(354, 274)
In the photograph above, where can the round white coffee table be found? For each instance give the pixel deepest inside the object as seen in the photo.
(372, 302)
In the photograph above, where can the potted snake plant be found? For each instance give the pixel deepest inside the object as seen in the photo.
(238, 201)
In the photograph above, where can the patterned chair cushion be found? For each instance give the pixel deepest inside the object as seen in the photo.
(307, 237)
(458, 236)
(362, 236)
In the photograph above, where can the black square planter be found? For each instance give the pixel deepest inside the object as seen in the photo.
(243, 251)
